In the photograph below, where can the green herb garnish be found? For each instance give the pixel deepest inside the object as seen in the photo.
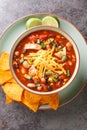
(48, 73)
(64, 58)
(68, 73)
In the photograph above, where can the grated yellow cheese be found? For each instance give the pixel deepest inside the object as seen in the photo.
(44, 60)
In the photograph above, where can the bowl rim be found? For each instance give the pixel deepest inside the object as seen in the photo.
(34, 29)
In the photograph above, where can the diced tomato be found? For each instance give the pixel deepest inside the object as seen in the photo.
(32, 38)
(58, 84)
(69, 46)
(43, 36)
(62, 76)
(44, 87)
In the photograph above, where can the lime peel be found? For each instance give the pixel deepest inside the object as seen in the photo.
(50, 21)
(33, 22)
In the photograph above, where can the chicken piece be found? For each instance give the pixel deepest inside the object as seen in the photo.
(32, 46)
(61, 53)
(33, 71)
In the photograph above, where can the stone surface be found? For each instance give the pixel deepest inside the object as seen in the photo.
(72, 116)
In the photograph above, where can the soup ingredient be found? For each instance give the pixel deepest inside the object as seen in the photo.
(69, 46)
(39, 87)
(44, 60)
(43, 80)
(64, 58)
(43, 45)
(16, 53)
(33, 71)
(26, 64)
(21, 60)
(31, 85)
(68, 72)
(61, 52)
(50, 21)
(31, 22)
(49, 88)
(28, 76)
(48, 72)
(32, 46)
(56, 76)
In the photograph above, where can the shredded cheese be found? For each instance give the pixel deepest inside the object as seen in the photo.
(44, 60)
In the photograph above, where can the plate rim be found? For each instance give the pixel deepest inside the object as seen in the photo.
(64, 19)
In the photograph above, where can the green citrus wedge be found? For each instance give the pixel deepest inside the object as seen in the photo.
(33, 22)
(50, 21)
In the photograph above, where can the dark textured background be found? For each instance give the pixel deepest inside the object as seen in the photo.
(72, 116)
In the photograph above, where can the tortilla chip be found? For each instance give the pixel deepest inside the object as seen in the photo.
(5, 75)
(12, 81)
(52, 100)
(31, 100)
(13, 90)
(4, 61)
(8, 99)
(31, 106)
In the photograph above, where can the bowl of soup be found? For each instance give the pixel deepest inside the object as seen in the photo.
(44, 60)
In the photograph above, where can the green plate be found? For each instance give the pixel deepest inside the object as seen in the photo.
(18, 27)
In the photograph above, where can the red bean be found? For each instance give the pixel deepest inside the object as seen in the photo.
(49, 88)
(44, 87)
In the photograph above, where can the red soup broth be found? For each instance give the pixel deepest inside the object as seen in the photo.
(44, 60)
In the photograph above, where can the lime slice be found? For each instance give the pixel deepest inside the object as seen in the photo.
(50, 21)
(33, 22)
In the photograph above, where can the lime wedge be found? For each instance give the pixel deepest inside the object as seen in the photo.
(33, 22)
(50, 21)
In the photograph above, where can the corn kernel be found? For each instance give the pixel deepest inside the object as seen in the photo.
(65, 80)
(51, 84)
(22, 55)
(58, 36)
(25, 75)
(73, 56)
(51, 39)
(50, 80)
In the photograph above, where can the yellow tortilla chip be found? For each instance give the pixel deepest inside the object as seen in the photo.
(5, 75)
(13, 90)
(31, 106)
(8, 99)
(31, 100)
(31, 97)
(52, 100)
(4, 61)
(12, 81)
